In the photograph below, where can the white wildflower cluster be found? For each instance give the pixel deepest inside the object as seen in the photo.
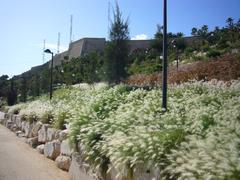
(16, 108)
(197, 138)
(36, 110)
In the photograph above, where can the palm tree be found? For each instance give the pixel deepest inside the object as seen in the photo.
(230, 23)
(194, 31)
(180, 34)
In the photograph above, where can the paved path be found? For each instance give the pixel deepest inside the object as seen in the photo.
(18, 161)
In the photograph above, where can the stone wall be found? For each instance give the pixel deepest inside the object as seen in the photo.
(85, 46)
(139, 44)
(79, 48)
(59, 58)
(54, 144)
(50, 142)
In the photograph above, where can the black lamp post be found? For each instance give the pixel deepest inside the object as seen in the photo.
(164, 73)
(51, 71)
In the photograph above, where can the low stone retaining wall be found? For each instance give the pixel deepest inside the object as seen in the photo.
(53, 144)
(48, 141)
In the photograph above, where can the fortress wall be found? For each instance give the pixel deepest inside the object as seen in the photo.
(58, 58)
(86, 45)
(139, 44)
(75, 48)
(93, 44)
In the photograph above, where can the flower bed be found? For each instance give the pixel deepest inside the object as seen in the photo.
(197, 138)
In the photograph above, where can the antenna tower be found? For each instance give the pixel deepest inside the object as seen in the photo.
(58, 46)
(71, 29)
(43, 54)
(109, 18)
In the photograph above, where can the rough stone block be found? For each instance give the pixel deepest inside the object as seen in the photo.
(35, 129)
(9, 123)
(2, 115)
(33, 142)
(63, 162)
(52, 149)
(23, 126)
(18, 121)
(143, 172)
(57, 133)
(51, 134)
(40, 148)
(13, 127)
(63, 134)
(76, 172)
(14, 116)
(42, 133)
(28, 128)
(65, 148)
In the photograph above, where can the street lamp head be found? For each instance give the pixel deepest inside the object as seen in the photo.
(48, 51)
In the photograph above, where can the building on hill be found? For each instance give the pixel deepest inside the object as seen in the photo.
(85, 46)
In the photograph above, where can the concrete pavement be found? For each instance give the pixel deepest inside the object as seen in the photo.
(18, 161)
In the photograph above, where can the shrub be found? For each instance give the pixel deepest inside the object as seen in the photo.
(197, 138)
(60, 121)
(223, 68)
(47, 117)
(212, 53)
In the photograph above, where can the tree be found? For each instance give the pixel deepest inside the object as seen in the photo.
(238, 25)
(117, 49)
(203, 32)
(230, 23)
(194, 31)
(11, 95)
(179, 34)
(158, 38)
(3, 85)
(23, 89)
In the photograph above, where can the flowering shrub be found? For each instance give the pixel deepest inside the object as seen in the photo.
(197, 138)
(37, 110)
(16, 108)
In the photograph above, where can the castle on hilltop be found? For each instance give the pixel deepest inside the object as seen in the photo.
(85, 46)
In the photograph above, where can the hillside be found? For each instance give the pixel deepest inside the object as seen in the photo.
(124, 128)
(224, 68)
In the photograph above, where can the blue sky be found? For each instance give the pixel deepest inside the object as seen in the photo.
(25, 23)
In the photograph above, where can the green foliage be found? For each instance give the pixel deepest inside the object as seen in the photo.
(32, 118)
(157, 43)
(60, 121)
(127, 127)
(87, 69)
(23, 89)
(145, 68)
(3, 85)
(47, 117)
(117, 50)
(212, 53)
(11, 95)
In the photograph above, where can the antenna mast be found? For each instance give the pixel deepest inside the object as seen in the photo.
(58, 47)
(71, 25)
(109, 18)
(43, 54)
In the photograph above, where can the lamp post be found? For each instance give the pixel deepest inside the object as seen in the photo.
(164, 73)
(51, 71)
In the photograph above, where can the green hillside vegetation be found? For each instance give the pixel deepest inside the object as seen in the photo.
(204, 45)
(197, 138)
